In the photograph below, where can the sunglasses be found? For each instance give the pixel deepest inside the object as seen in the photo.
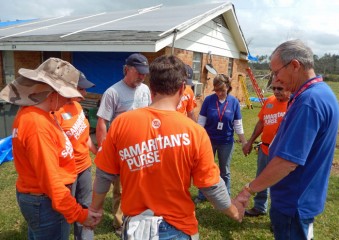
(277, 88)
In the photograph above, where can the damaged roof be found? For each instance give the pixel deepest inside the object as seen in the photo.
(148, 29)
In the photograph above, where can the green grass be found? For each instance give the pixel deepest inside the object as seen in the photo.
(212, 224)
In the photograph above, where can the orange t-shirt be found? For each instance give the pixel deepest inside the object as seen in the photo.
(43, 158)
(157, 153)
(76, 126)
(187, 102)
(271, 114)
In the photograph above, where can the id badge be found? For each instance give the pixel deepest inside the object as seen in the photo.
(220, 125)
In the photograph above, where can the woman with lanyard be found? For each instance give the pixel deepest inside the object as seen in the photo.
(220, 115)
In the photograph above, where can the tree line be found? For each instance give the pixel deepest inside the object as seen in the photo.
(327, 65)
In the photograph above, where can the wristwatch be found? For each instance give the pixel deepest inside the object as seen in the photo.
(248, 189)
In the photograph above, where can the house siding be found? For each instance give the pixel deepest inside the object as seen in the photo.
(32, 59)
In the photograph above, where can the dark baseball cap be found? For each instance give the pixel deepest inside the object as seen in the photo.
(84, 83)
(138, 61)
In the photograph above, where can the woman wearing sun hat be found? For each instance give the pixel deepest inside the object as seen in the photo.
(43, 155)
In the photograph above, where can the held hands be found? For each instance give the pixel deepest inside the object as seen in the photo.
(241, 210)
(247, 148)
(243, 197)
(93, 218)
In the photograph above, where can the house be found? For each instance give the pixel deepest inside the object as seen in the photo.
(207, 36)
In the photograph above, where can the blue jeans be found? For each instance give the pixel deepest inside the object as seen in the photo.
(43, 221)
(290, 228)
(82, 190)
(260, 199)
(168, 232)
(224, 156)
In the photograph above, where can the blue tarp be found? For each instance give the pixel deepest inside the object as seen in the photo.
(9, 23)
(251, 58)
(255, 99)
(102, 68)
(6, 149)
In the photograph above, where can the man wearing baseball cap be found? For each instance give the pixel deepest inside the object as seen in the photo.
(128, 94)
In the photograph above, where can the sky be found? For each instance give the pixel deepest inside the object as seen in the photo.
(264, 23)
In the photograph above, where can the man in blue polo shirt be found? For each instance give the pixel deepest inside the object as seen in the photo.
(302, 152)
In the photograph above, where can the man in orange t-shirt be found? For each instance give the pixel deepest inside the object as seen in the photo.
(188, 102)
(270, 116)
(157, 151)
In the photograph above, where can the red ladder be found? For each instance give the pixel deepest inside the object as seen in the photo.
(255, 85)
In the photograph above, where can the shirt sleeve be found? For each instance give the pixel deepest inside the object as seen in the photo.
(237, 113)
(204, 107)
(107, 105)
(44, 159)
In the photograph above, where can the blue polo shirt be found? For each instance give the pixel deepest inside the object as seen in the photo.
(307, 136)
(232, 112)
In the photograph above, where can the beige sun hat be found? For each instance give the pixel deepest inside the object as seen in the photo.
(58, 74)
(26, 92)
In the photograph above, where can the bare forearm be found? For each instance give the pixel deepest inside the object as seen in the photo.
(242, 139)
(101, 131)
(276, 170)
(256, 132)
(247, 148)
(91, 146)
(98, 200)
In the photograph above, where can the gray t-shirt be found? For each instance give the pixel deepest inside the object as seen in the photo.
(120, 98)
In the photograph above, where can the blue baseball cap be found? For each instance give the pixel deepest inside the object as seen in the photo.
(84, 82)
(138, 61)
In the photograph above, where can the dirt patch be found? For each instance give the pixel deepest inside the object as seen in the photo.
(335, 169)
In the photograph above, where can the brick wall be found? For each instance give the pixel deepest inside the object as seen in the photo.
(32, 59)
(26, 59)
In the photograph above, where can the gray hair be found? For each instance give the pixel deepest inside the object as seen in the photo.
(295, 49)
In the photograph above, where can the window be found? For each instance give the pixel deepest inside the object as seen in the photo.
(198, 86)
(230, 67)
(196, 66)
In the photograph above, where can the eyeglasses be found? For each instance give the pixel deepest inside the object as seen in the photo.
(277, 88)
(275, 73)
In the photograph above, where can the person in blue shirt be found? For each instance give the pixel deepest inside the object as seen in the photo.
(220, 115)
(301, 154)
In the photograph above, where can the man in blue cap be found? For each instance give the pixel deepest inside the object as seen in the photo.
(128, 94)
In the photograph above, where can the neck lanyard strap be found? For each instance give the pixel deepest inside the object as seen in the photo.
(302, 89)
(223, 111)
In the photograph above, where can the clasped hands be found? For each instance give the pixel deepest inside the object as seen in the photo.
(241, 203)
(93, 218)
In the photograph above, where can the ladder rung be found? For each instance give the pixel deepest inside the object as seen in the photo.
(255, 85)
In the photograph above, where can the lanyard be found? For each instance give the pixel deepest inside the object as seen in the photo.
(223, 111)
(303, 88)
